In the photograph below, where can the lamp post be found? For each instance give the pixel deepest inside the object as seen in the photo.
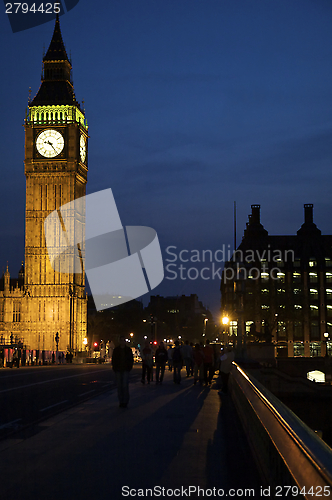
(326, 336)
(204, 328)
(225, 322)
(57, 338)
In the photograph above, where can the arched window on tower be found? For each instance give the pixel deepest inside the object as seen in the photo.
(2, 304)
(16, 311)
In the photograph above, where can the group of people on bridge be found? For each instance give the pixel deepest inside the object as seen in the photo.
(200, 361)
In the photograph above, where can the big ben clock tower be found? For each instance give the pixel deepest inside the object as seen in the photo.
(56, 138)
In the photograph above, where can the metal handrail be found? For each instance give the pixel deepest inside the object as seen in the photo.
(316, 452)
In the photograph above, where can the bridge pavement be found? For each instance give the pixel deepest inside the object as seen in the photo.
(170, 436)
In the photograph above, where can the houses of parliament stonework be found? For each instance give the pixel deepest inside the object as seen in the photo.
(42, 308)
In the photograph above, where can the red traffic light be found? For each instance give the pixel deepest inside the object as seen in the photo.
(95, 346)
(155, 342)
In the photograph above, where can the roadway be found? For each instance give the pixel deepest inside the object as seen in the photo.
(170, 437)
(28, 395)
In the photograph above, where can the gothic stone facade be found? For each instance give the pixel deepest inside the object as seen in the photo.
(43, 302)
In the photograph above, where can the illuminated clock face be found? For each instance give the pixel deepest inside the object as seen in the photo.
(50, 143)
(82, 148)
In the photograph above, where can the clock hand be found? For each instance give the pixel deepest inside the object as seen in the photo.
(48, 142)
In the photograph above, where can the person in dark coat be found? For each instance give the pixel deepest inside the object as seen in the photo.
(177, 362)
(122, 362)
(161, 358)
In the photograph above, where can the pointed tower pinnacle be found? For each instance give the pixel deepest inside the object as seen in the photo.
(56, 83)
(7, 279)
(56, 50)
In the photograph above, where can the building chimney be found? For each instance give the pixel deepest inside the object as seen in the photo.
(254, 227)
(255, 214)
(308, 227)
(308, 213)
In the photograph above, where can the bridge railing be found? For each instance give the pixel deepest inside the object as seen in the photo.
(287, 452)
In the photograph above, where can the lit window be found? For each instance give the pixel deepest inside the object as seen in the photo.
(316, 376)
(313, 278)
(328, 307)
(312, 263)
(328, 291)
(281, 277)
(297, 306)
(313, 291)
(328, 277)
(296, 278)
(314, 310)
(297, 291)
(328, 262)
(264, 306)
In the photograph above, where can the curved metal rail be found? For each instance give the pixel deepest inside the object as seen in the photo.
(287, 452)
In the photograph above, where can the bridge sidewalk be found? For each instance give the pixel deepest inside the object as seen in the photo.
(169, 436)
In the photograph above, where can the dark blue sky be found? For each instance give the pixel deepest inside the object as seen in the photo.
(191, 105)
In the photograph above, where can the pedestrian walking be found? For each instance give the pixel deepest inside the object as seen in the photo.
(192, 359)
(170, 358)
(177, 362)
(208, 362)
(187, 354)
(161, 359)
(122, 363)
(198, 357)
(147, 361)
(16, 359)
(226, 360)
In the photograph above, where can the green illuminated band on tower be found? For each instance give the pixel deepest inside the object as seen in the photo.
(56, 114)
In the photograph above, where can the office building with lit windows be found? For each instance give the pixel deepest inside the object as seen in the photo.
(279, 288)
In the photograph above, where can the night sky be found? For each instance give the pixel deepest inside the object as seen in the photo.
(191, 105)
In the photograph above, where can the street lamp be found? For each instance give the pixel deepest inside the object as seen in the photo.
(204, 328)
(326, 336)
(225, 322)
(57, 338)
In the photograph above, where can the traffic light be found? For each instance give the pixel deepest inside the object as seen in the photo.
(96, 346)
